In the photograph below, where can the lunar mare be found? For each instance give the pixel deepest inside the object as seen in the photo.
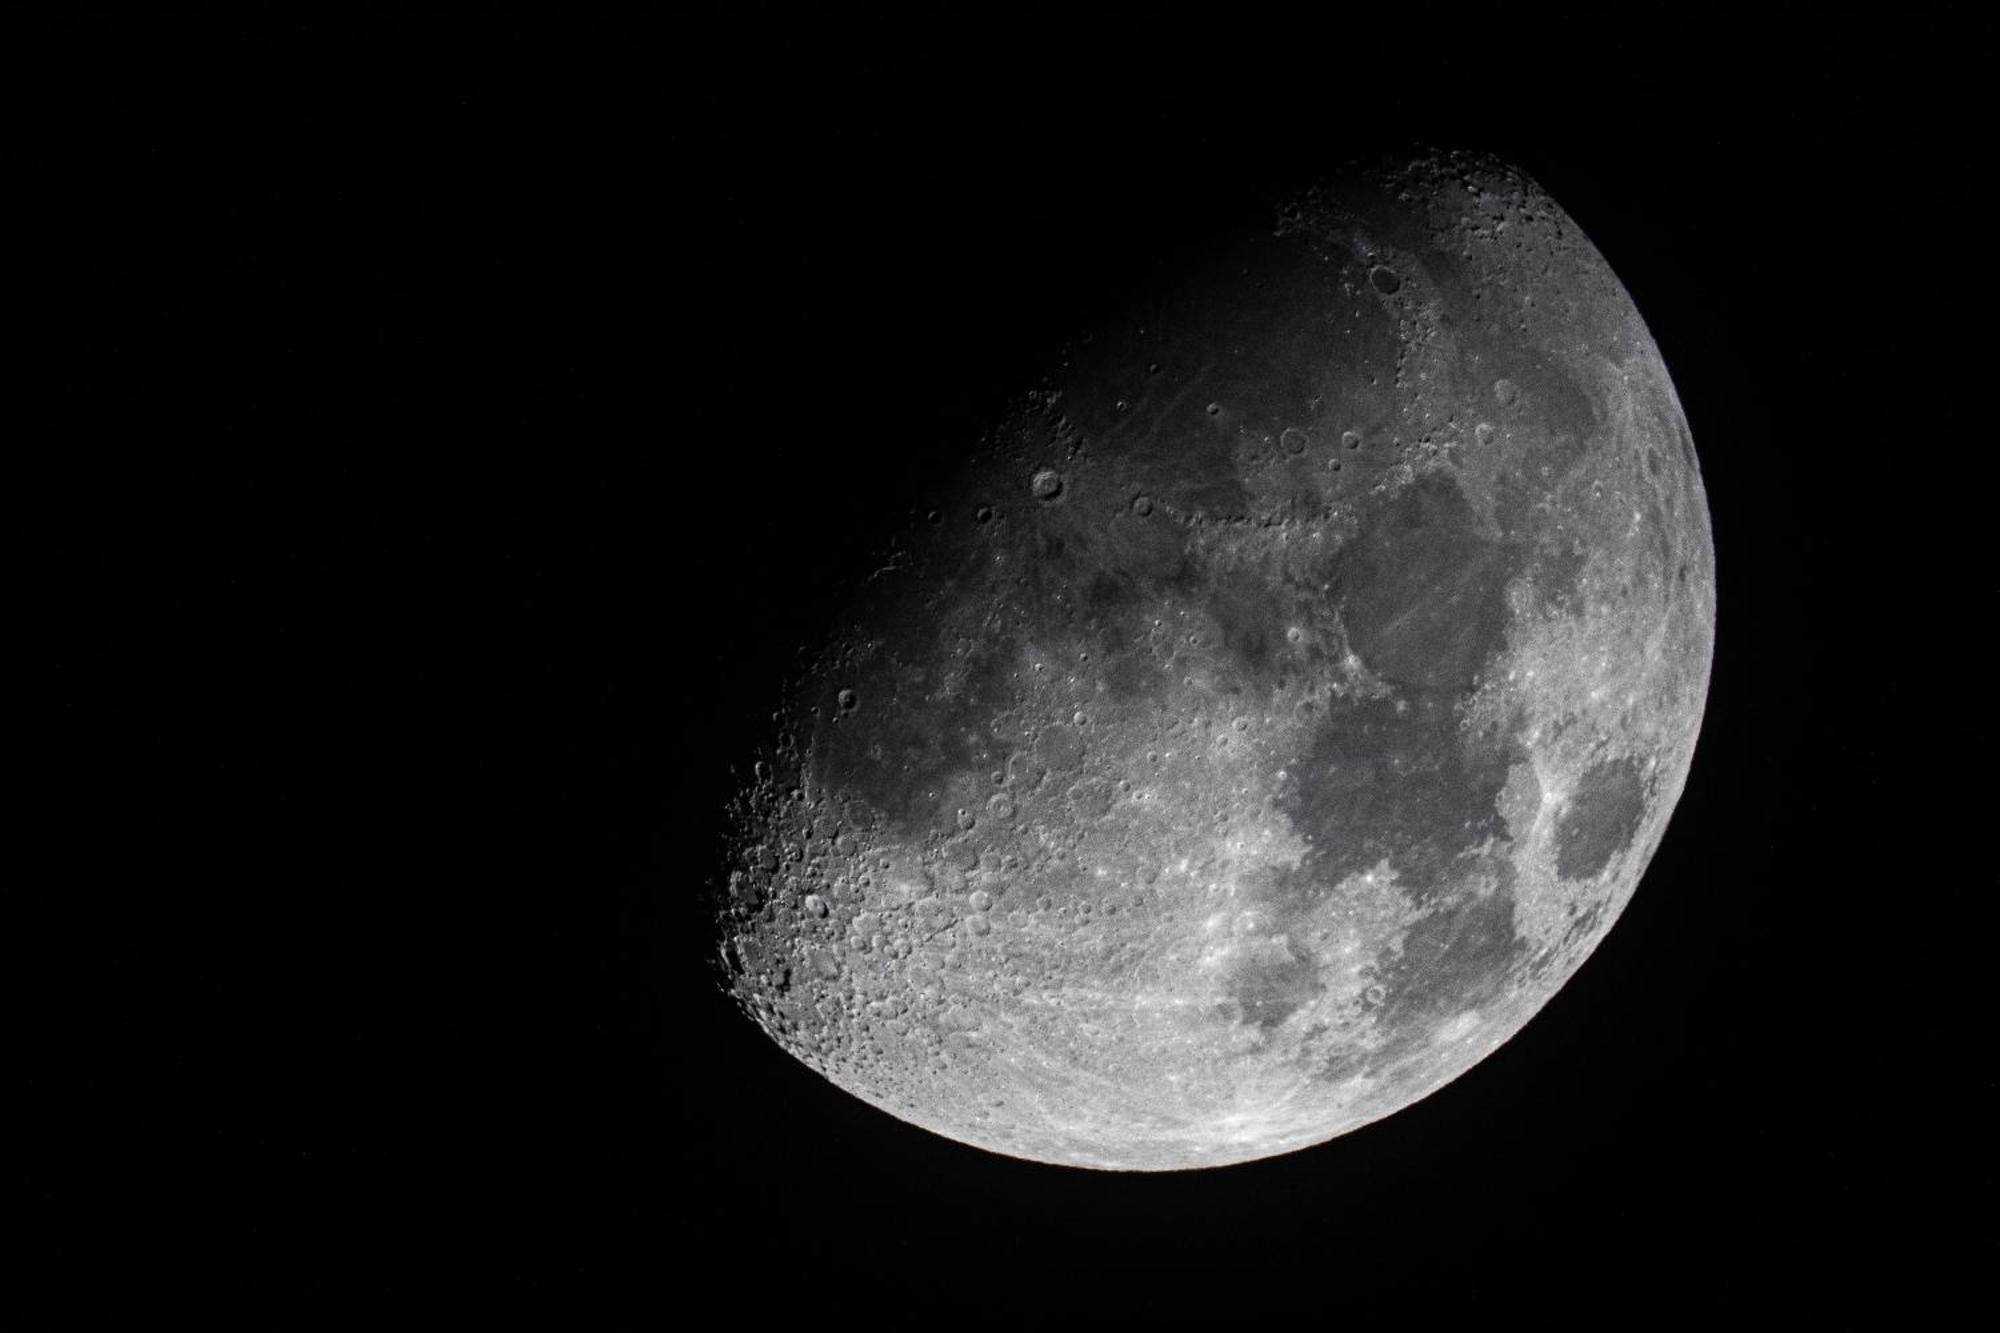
(1269, 716)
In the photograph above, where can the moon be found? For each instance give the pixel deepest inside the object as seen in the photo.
(1266, 717)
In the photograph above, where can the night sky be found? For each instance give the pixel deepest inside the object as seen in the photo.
(504, 404)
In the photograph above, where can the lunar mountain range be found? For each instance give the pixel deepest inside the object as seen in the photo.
(1255, 728)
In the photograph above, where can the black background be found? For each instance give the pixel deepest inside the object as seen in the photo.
(470, 416)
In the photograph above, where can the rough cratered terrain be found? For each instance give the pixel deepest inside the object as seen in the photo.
(1271, 714)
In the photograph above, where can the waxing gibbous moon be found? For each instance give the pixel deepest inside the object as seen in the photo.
(1262, 722)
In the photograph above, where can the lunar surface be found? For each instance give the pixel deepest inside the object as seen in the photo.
(1266, 718)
